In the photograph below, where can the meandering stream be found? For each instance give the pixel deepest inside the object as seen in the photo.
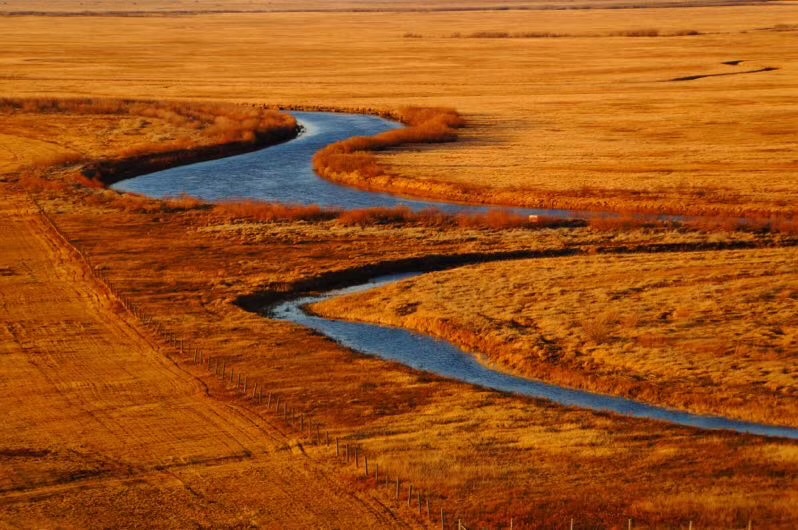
(284, 173)
(440, 357)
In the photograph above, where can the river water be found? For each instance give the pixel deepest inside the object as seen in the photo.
(284, 173)
(440, 357)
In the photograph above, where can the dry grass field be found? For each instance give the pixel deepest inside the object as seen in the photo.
(483, 456)
(101, 429)
(587, 120)
(713, 332)
(480, 455)
(106, 425)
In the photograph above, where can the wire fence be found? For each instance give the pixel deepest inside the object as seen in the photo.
(432, 509)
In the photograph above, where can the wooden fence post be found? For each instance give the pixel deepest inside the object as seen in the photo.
(366, 465)
(409, 494)
(397, 488)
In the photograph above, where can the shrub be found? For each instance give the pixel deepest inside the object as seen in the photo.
(353, 155)
(264, 211)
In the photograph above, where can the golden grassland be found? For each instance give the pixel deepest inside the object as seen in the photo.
(101, 429)
(141, 134)
(15, 7)
(714, 332)
(484, 456)
(589, 122)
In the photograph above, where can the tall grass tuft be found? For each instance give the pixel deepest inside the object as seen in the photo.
(354, 155)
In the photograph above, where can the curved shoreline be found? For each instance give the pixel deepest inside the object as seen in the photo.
(447, 360)
(110, 172)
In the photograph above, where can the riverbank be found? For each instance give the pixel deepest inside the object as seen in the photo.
(445, 437)
(185, 265)
(587, 323)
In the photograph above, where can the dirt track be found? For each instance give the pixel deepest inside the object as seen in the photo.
(101, 429)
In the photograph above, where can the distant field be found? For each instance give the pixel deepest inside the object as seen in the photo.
(712, 332)
(565, 107)
(200, 6)
(590, 119)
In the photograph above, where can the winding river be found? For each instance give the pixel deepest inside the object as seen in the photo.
(284, 173)
(440, 357)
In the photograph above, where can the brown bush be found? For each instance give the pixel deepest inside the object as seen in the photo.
(353, 155)
(264, 211)
(765, 225)
(625, 222)
(496, 219)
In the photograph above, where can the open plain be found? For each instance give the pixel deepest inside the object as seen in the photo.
(108, 300)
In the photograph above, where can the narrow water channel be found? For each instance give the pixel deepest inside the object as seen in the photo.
(284, 173)
(442, 358)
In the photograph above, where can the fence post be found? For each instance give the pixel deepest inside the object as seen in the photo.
(337, 451)
(397, 488)
(366, 465)
(443, 519)
(409, 494)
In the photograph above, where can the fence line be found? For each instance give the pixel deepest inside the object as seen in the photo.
(217, 366)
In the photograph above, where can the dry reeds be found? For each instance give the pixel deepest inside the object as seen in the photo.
(218, 128)
(353, 157)
(267, 212)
